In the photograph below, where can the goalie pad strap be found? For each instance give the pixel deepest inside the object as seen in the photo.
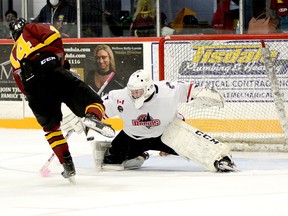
(194, 144)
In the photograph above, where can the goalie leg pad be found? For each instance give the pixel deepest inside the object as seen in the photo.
(194, 144)
(134, 163)
(99, 149)
(131, 164)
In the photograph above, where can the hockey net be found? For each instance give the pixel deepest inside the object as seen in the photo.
(254, 115)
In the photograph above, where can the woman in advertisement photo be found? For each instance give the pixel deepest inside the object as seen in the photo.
(104, 62)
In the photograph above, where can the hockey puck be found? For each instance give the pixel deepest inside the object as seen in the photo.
(90, 138)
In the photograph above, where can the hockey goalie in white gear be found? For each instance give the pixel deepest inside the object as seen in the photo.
(149, 111)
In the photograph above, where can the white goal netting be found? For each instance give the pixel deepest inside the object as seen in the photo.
(234, 65)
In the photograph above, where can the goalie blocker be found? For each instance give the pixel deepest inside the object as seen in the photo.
(197, 146)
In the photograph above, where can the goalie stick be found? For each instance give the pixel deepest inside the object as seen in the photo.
(44, 171)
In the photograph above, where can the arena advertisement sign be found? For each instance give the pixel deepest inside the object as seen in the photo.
(236, 69)
(91, 60)
(8, 88)
(127, 59)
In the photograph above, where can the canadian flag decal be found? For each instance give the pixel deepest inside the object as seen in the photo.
(120, 102)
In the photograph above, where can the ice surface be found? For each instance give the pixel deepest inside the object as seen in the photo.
(164, 185)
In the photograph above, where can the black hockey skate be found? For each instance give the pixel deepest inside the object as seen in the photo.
(225, 165)
(145, 155)
(91, 121)
(69, 168)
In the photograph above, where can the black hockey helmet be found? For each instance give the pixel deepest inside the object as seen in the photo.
(16, 27)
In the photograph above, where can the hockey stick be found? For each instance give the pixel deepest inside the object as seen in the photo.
(106, 83)
(44, 171)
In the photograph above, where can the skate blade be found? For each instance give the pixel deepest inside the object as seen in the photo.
(226, 168)
(102, 128)
(72, 180)
(105, 131)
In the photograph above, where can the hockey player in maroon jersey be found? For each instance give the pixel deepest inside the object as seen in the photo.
(149, 111)
(42, 74)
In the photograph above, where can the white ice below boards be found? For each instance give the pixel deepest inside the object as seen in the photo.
(164, 185)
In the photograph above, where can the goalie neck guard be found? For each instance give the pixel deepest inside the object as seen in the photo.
(140, 87)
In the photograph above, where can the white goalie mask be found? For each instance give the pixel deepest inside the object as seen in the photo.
(140, 87)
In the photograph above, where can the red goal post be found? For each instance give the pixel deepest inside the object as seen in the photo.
(234, 64)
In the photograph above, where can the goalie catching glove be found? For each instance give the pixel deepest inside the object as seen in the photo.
(204, 97)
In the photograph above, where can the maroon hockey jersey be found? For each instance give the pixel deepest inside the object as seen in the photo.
(34, 40)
